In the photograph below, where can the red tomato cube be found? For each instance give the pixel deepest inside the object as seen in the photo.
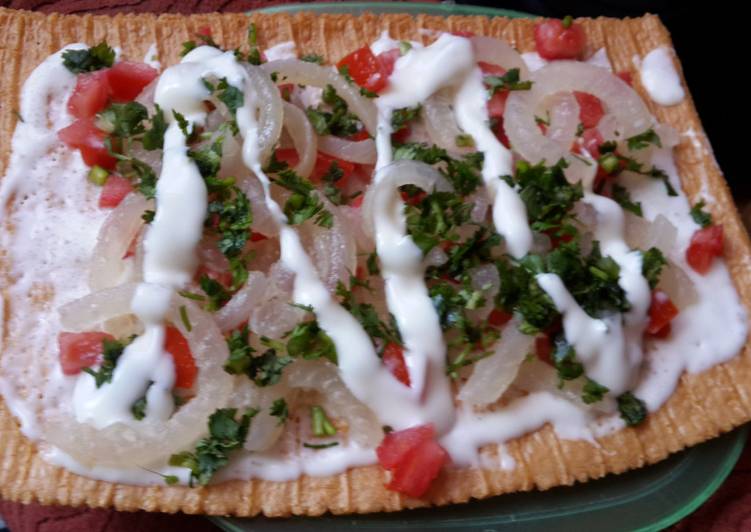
(396, 445)
(90, 95)
(185, 365)
(661, 312)
(127, 79)
(419, 468)
(367, 70)
(590, 109)
(554, 41)
(114, 191)
(84, 136)
(393, 359)
(80, 350)
(706, 244)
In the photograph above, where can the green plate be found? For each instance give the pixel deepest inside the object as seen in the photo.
(652, 498)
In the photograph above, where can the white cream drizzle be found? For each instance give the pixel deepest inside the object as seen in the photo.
(660, 78)
(693, 346)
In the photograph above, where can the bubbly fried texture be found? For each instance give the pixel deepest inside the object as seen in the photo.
(702, 407)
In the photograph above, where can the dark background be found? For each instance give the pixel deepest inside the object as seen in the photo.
(707, 39)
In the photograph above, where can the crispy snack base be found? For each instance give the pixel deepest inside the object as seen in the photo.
(702, 407)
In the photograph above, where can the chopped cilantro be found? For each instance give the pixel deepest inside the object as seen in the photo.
(185, 126)
(435, 219)
(302, 204)
(368, 317)
(123, 119)
(264, 370)
(592, 392)
(230, 96)
(279, 409)
(652, 262)
(463, 174)
(565, 362)
(187, 47)
(90, 59)
(329, 179)
(153, 138)
(226, 434)
(623, 198)
(111, 352)
(633, 410)
(401, 117)
(216, 294)
(642, 140)
(148, 216)
(231, 216)
(312, 58)
(337, 121)
(307, 340)
(547, 194)
(138, 409)
(254, 55)
(509, 81)
(372, 264)
(700, 216)
(404, 47)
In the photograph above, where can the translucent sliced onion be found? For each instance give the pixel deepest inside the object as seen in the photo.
(491, 376)
(275, 317)
(270, 112)
(643, 234)
(440, 121)
(619, 98)
(146, 442)
(353, 217)
(239, 308)
(115, 237)
(305, 73)
(263, 221)
(564, 119)
(333, 251)
(265, 428)
(395, 175)
(303, 137)
(498, 52)
(323, 377)
(678, 286)
(354, 151)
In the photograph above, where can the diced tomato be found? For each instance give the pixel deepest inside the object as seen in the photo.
(257, 237)
(360, 135)
(590, 109)
(357, 202)
(286, 90)
(401, 136)
(462, 33)
(323, 165)
(706, 244)
(497, 104)
(131, 251)
(366, 69)
(388, 60)
(556, 42)
(396, 445)
(418, 469)
(204, 31)
(114, 191)
(90, 95)
(185, 365)
(489, 69)
(664, 332)
(626, 76)
(287, 155)
(591, 140)
(80, 350)
(84, 136)
(661, 312)
(414, 459)
(127, 79)
(393, 359)
(500, 132)
(498, 317)
(544, 348)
